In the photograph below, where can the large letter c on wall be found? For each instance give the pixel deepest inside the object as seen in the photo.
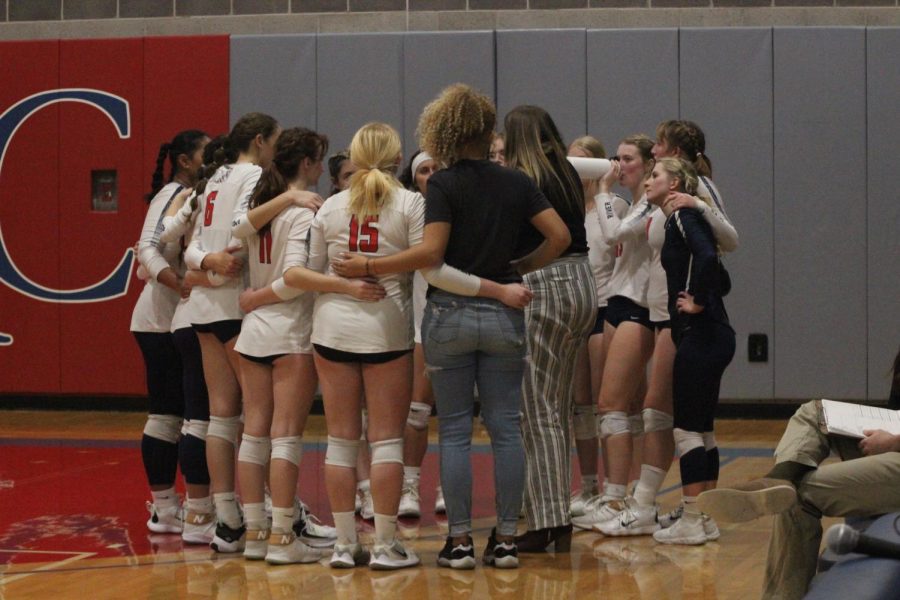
(116, 283)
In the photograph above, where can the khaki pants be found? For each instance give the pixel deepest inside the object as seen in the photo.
(860, 486)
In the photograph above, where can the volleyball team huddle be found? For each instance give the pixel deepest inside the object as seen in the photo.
(491, 269)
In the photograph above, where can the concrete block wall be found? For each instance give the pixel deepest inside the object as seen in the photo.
(49, 19)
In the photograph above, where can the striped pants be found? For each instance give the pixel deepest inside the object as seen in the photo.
(558, 319)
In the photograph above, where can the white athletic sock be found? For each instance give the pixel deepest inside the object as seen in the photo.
(385, 528)
(411, 474)
(200, 506)
(605, 485)
(589, 482)
(364, 485)
(227, 509)
(690, 505)
(648, 485)
(282, 519)
(255, 515)
(165, 498)
(345, 524)
(615, 491)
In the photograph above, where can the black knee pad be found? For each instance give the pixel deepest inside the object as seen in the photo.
(693, 466)
(712, 464)
(192, 458)
(160, 460)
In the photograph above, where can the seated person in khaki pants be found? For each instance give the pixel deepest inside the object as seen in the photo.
(800, 493)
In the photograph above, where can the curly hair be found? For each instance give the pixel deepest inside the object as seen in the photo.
(689, 139)
(459, 119)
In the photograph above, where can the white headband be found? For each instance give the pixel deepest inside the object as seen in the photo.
(418, 160)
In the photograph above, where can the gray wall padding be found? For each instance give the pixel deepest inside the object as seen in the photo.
(883, 207)
(820, 217)
(802, 127)
(632, 82)
(726, 86)
(360, 79)
(433, 61)
(275, 74)
(547, 69)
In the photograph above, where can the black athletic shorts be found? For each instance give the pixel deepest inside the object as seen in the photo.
(660, 325)
(621, 309)
(598, 323)
(367, 358)
(263, 360)
(223, 330)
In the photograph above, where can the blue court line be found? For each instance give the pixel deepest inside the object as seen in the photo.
(728, 454)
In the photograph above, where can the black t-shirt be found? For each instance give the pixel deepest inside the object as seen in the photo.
(488, 206)
(572, 216)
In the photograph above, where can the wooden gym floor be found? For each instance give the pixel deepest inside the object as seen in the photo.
(72, 525)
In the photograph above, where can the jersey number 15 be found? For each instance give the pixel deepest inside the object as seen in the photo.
(363, 238)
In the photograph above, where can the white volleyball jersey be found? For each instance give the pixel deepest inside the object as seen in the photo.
(156, 304)
(601, 254)
(225, 199)
(632, 269)
(180, 228)
(714, 213)
(342, 322)
(283, 327)
(657, 289)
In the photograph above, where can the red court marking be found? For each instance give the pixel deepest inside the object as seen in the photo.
(90, 499)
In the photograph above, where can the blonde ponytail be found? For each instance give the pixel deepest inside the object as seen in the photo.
(375, 150)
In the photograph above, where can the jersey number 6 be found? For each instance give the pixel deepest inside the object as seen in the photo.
(210, 206)
(363, 238)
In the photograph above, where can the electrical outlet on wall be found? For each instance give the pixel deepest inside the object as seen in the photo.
(758, 347)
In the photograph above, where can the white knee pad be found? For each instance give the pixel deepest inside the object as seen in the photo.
(656, 420)
(709, 440)
(288, 448)
(636, 425)
(418, 416)
(387, 451)
(225, 428)
(613, 423)
(195, 428)
(584, 421)
(341, 452)
(163, 427)
(255, 450)
(685, 441)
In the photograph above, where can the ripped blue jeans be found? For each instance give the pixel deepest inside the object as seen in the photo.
(469, 342)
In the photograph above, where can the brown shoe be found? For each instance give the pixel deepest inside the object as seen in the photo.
(749, 500)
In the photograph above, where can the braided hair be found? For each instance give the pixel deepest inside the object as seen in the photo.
(185, 142)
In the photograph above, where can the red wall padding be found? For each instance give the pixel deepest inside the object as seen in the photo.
(29, 220)
(45, 196)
